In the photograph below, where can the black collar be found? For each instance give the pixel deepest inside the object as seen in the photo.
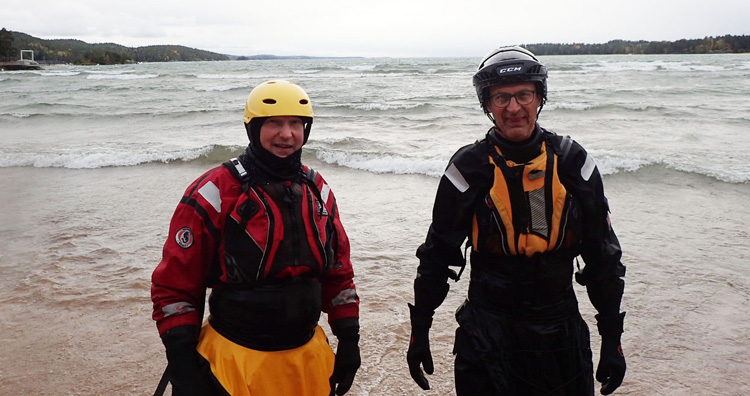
(518, 152)
(267, 167)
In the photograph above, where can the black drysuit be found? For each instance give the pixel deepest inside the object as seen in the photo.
(520, 331)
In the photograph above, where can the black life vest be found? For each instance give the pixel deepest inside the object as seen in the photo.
(277, 230)
(278, 240)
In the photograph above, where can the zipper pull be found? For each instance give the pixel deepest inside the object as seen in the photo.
(289, 197)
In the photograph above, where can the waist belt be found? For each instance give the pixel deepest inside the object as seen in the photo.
(267, 317)
(522, 308)
(538, 287)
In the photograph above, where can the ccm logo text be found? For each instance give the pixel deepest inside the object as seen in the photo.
(509, 69)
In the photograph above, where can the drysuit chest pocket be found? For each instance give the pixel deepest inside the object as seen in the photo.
(247, 232)
(273, 232)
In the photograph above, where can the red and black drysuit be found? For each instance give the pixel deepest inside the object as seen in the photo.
(273, 252)
(520, 331)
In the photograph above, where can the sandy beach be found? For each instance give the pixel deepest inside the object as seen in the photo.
(94, 159)
(80, 246)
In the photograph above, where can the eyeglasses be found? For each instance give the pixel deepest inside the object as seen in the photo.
(522, 98)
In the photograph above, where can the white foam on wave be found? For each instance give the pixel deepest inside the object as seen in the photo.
(569, 71)
(99, 159)
(737, 174)
(655, 65)
(688, 67)
(361, 67)
(386, 106)
(606, 66)
(355, 76)
(206, 76)
(310, 71)
(319, 142)
(110, 72)
(568, 106)
(609, 162)
(377, 163)
(222, 88)
(68, 73)
(120, 76)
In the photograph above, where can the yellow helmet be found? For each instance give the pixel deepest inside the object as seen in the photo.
(277, 98)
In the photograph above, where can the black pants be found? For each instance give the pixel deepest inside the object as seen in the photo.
(500, 357)
(471, 375)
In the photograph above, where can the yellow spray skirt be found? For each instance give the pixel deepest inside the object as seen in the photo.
(246, 372)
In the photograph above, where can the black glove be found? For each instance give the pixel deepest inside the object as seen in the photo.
(185, 373)
(419, 354)
(611, 369)
(348, 358)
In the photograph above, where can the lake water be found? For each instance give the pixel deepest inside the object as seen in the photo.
(93, 161)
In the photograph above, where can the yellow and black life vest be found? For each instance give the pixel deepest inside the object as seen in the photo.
(526, 210)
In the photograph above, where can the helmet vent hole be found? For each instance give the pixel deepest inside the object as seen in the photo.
(303, 101)
(269, 101)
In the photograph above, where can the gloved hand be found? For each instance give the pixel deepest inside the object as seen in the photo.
(185, 373)
(348, 357)
(419, 354)
(611, 369)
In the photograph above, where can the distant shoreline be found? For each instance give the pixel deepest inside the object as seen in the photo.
(73, 51)
(706, 45)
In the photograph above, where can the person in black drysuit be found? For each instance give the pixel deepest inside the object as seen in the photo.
(528, 202)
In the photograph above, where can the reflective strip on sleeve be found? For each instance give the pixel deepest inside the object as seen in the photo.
(588, 168)
(455, 176)
(346, 296)
(211, 194)
(177, 308)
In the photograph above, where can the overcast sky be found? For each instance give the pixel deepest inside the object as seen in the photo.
(396, 28)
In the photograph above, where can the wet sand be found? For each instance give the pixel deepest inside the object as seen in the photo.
(79, 247)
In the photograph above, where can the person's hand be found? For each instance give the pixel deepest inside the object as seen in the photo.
(611, 369)
(419, 355)
(185, 372)
(346, 365)
(348, 358)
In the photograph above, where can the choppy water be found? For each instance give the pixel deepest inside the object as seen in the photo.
(688, 113)
(93, 161)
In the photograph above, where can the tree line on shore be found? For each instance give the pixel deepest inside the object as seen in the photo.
(706, 45)
(80, 52)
